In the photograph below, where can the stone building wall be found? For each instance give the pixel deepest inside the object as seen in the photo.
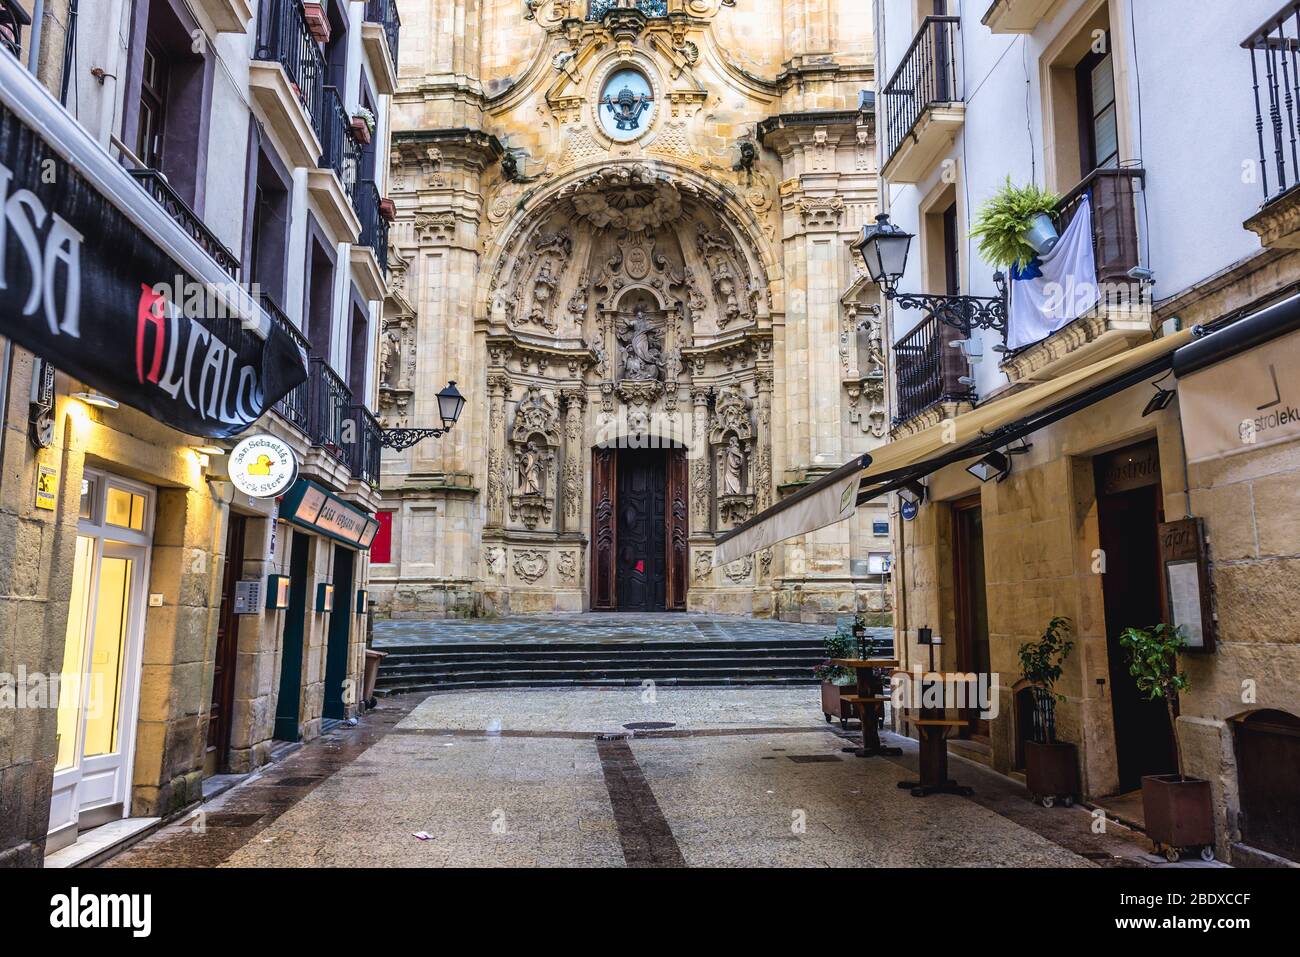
(688, 281)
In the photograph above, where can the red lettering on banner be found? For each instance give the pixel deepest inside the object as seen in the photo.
(150, 313)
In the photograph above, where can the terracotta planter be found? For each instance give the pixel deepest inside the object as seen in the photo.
(1178, 814)
(833, 706)
(388, 209)
(317, 22)
(360, 129)
(1052, 772)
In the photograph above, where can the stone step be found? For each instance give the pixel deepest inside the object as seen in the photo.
(576, 647)
(587, 682)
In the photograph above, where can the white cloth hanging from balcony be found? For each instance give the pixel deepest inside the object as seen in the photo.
(1061, 287)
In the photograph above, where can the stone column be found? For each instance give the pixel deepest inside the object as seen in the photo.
(498, 386)
(571, 483)
(701, 492)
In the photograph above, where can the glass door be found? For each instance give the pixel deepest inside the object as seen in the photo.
(99, 683)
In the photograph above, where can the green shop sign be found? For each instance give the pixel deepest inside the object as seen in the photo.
(309, 505)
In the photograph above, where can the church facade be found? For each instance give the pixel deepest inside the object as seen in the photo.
(623, 229)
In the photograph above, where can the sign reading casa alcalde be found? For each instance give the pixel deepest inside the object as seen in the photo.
(636, 241)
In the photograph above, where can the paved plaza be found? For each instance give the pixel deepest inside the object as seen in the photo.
(618, 777)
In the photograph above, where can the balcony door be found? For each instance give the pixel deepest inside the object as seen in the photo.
(99, 683)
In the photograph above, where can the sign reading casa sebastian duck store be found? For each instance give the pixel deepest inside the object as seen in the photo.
(84, 285)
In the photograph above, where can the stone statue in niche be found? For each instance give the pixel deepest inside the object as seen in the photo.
(530, 470)
(733, 463)
(543, 294)
(642, 353)
(390, 359)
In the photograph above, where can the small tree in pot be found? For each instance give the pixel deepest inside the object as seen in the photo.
(838, 644)
(1051, 767)
(1176, 809)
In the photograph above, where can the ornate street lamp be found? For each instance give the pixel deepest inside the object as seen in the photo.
(884, 247)
(450, 404)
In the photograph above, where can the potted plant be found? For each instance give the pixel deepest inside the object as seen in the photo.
(1051, 766)
(388, 209)
(1016, 224)
(1176, 809)
(363, 124)
(834, 678)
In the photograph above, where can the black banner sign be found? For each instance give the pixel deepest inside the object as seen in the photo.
(84, 287)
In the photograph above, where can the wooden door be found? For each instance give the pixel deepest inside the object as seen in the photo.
(971, 598)
(678, 553)
(641, 569)
(289, 701)
(223, 675)
(1132, 594)
(604, 498)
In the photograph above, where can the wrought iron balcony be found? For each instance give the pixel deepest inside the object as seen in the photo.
(365, 449)
(1114, 220)
(596, 9)
(12, 20)
(374, 228)
(293, 407)
(155, 184)
(927, 77)
(283, 36)
(329, 410)
(342, 152)
(928, 369)
(1275, 76)
(384, 12)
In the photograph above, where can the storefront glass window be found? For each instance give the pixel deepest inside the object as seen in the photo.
(107, 652)
(74, 652)
(124, 509)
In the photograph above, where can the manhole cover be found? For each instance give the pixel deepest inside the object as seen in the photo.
(649, 725)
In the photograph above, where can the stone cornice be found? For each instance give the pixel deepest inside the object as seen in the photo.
(472, 143)
(784, 129)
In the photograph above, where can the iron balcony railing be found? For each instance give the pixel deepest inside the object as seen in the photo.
(329, 405)
(283, 36)
(928, 369)
(374, 228)
(596, 9)
(367, 437)
(1275, 74)
(342, 152)
(926, 76)
(12, 20)
(384, 12)
(1114, 195)
(293, 407)
(155, 184)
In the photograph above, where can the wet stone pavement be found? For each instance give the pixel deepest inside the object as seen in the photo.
(708, 777)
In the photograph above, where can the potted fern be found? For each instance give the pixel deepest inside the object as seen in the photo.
(1051, 766)
(1016, 224)
(1175, 808)
(834, 678)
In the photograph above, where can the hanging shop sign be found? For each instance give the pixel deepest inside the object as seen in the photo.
(1187, 581)
(97, 278)
(262, 466)
(1250, 401)
(309, 505)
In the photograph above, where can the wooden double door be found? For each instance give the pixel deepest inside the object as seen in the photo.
(639, 551)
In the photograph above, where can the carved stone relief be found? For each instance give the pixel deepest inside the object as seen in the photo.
(533, 439)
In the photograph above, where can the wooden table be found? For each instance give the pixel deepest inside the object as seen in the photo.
(870, 699)
(932, 725)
